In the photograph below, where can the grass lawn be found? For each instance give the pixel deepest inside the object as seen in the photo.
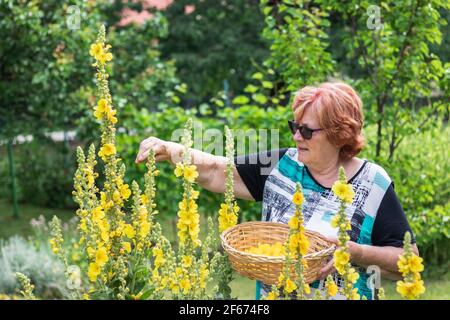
(10, 226)
(242, 288)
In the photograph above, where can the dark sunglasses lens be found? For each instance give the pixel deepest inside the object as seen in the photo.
(292, 127)
(306, 133)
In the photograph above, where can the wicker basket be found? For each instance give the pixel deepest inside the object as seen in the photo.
(241, 237)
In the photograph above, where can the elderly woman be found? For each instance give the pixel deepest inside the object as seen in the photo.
(327, 133)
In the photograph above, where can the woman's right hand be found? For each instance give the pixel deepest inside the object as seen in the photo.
(164, 150)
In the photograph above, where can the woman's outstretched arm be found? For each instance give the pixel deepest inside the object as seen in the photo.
(211, 168)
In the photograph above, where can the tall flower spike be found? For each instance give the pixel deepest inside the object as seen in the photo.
(228, 213)
(296, 247)
(342, 264)
(187, 274)
(56, 240)
(27, 287)
(410, 266)
(228, 217)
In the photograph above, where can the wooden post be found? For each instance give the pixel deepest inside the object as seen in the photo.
(12, 175)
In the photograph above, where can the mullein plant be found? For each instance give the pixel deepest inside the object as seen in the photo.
(228, 213)
(192, 272)
(128, 257)
(26, 285)
(114, 243)
(56, 242)
(410, 266)
(296, 247)
(227, 218)
(345, 194)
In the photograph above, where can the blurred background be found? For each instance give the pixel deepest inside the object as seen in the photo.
(230, 62)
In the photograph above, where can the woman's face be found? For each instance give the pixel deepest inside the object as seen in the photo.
(318, 149)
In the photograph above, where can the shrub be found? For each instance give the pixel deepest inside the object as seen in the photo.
(38, 263)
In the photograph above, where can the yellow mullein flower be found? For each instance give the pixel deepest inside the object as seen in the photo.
(341, 258)
(54, 246)
(203, 276)
(335, 221)
(104, 234)
(178, 271)
(272, 296)
(332, 288)
(297, 198)
(144, 199)
(83, 213)
(164, 281)
(102, 108)
(411, 265)
(125, 191)
(98, 214)
(158, 255)
(174, 287)
(144, 229)
(116, 197)
(83, 225)
(186, 261)
(355, 294)
(129, 231)
(185, 284)
(293, 242)
(104, 57)
(107, 150)
(353, 276)
(303, 245)
(227, 218)
(94, 271)
(101, 257)
(190, 173)
(90, 179)
(343, 191)
(281, 279)
(290, 286)
(179, 170)
(293, 222)
(90, 251)
(96, 50)
(111, 116)
(127, 247)
(411, 290)
(195, 194)
(307, 288)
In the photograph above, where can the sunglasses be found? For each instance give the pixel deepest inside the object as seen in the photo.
(305, 132)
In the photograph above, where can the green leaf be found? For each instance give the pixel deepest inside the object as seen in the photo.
(267, 84)
(219, 102)
(251, 88)
(260, 98)
(241, 100)
(257, 76)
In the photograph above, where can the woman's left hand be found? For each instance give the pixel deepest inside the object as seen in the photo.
(355, 254)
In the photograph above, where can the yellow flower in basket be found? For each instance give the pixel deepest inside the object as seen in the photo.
(265, 249)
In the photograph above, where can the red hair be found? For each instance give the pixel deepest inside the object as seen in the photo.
(339, 109)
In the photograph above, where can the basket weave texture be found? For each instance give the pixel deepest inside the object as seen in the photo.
(239, 238)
